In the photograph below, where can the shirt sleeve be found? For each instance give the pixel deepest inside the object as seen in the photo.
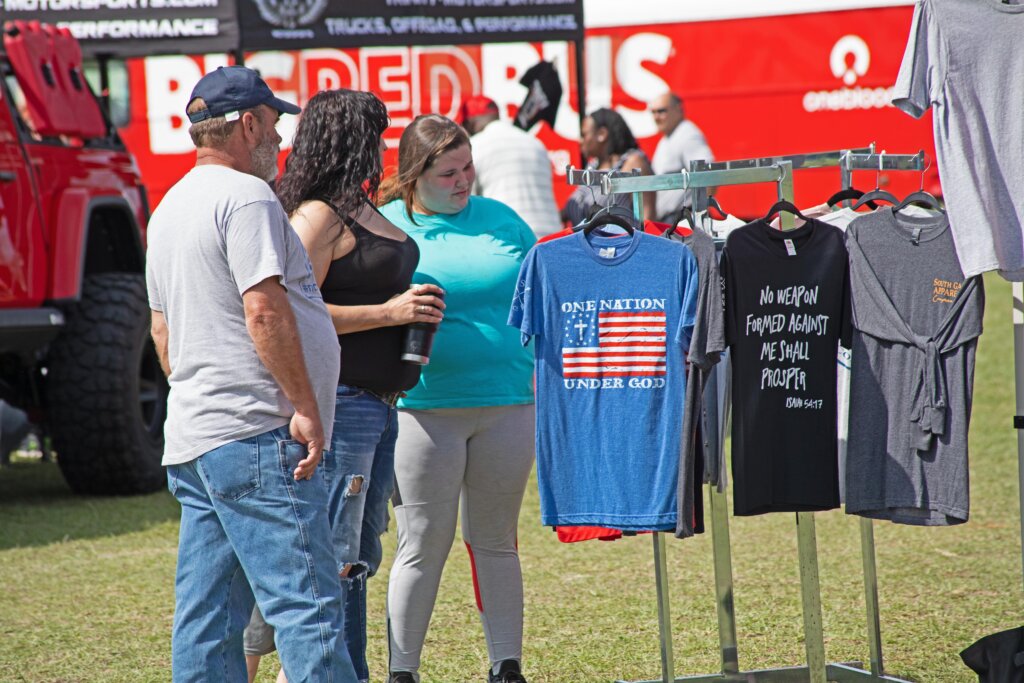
(846, 319)
(525, 301)
(716, 312)
(708, 340)
(255, 244)
(723, 278)
(919, 83)
(695, 146)
(689, 284)
(156, 302)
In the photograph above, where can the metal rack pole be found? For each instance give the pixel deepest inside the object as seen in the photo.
(1018, 363)
(668, 666)
(798, 161)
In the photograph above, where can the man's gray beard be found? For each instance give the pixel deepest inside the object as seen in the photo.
(264, 161)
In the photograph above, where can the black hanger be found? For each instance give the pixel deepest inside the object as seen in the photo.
(612, 214)
(847, 194)
(685, 215)
(876, 193)
(784, 205)
(713, 204)
(920, 197)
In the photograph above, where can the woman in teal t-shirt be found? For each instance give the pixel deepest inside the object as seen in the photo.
(467, 429)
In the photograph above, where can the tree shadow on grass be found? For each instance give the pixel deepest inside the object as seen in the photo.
(38, 508)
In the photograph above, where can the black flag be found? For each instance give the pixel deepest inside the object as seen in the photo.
(545, 93)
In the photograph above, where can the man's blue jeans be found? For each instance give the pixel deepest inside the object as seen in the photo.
(365, 430)
(246, 522)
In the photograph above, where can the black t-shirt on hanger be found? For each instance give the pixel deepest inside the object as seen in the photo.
(786, 310)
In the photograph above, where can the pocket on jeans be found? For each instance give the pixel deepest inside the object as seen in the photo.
(314, 490)
(233, 470)
(290, 453)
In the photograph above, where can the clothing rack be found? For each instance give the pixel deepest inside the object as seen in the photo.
(614, 182)
(779, 169)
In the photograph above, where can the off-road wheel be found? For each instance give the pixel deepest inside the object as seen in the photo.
(106, 393)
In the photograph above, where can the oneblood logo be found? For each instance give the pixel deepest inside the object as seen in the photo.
(849, 61)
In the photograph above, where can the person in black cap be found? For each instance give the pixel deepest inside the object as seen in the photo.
(238, 322)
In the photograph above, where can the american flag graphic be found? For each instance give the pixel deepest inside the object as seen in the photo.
(614, 344)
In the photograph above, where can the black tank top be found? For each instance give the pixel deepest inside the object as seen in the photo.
(375, 270)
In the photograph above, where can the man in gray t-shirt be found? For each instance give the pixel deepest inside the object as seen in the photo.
(682, 142)
(252, 359)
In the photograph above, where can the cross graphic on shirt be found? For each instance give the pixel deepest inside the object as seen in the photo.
(580, 326)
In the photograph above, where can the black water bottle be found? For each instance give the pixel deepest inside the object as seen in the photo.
(419, 338)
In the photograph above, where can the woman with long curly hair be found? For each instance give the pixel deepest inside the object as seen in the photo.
(608, 145)
(364, 266)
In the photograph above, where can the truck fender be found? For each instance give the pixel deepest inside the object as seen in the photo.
(93, 234)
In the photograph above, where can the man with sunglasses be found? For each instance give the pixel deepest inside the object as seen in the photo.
(682, 142)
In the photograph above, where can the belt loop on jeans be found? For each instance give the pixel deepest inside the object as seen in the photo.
(390, 398)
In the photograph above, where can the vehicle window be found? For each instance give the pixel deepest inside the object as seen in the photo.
(118, 88)
(20, 109)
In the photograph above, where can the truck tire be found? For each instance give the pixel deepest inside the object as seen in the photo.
(106, 393)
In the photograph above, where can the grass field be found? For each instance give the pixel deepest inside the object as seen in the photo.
(86, 584)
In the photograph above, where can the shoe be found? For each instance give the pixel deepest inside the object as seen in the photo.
(508, 672)
(401, 677)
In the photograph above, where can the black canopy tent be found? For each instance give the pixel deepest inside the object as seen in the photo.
(143, 28)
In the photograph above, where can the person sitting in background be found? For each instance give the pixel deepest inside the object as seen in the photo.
(512, 166)
(605, 139)
(682, 142)
(466, 429)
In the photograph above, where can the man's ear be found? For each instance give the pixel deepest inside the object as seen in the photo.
(249, 122)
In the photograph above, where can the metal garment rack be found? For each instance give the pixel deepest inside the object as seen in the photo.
(780, 171)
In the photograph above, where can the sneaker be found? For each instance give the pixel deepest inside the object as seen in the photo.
(401, 677)
(508, 672)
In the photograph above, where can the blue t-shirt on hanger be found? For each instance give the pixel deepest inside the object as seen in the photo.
(612, 317)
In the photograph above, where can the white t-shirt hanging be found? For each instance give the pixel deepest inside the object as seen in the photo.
(964, 58)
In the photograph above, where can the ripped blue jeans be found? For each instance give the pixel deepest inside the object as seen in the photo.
(359, 488)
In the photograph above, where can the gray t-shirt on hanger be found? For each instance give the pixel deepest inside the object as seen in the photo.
(706, 347)
(965, 59)
(217, 233)
(916, 326)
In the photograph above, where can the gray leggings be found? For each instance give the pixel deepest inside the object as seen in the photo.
(484, 455)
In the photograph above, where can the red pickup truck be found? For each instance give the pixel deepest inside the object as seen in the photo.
(75, 350)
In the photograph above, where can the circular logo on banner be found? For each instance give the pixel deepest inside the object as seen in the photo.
(841, 67)
(291, 13)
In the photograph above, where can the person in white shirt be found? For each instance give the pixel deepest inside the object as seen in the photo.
(512, 166)
(682, 142)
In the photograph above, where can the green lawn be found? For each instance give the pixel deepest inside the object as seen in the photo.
(86, 584)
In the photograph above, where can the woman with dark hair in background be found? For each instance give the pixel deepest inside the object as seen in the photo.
(363, 264)
(467, 427)
(608, 144)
